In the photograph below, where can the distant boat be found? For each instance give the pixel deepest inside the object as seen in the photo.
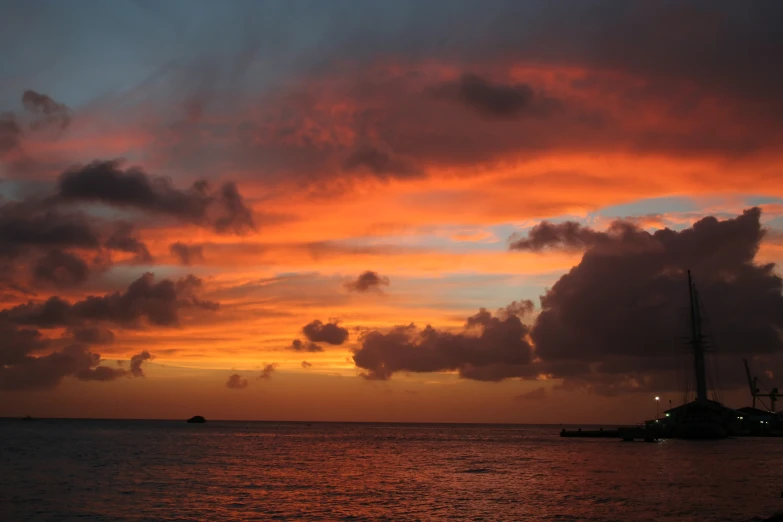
(27, 418)
(198, 419)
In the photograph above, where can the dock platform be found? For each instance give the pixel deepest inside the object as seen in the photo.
(629, 434)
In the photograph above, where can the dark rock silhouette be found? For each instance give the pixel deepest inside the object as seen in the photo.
(198, 419)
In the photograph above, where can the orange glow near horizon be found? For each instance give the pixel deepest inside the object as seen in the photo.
(432, 209)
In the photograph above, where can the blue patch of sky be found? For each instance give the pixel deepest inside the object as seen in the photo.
(470, 292)
(649, 206)
(763, 200)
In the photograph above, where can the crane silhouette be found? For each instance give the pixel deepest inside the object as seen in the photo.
(756, 393)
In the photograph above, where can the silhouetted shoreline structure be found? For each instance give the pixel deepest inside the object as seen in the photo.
(198, 419)
(755, 392)
(701, 418)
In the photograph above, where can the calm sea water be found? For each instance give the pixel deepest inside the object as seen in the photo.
(163, 470)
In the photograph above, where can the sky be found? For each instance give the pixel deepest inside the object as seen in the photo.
(465, 211)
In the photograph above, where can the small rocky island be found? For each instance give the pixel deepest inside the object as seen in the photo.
(198, 419)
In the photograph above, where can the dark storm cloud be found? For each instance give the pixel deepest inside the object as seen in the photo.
(187, 254)
(159, 303)
(711, 77)
(491, 348)
(236, 382)
(706, 64)
(330, 333)
(107, 182)
(495, 100)
(267, 371)
(366, 281)
(379, 162)
(61, 268)
(124, 240)
(137, 360)
(306, 346)
(721, 46)
(47, 111)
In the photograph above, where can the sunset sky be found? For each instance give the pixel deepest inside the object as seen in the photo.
(472, 211)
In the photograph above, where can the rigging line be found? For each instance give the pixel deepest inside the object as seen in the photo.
(684, 356)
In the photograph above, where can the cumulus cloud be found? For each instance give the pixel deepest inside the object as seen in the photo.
(307, 346)
(330, 333)
(48, 112)
(136, 362)
(236, 382)
(267, 371)
(41, 243)
(48, 370)
(186, 254)
(565, 236)
(366, 281)
(108, 182)
(30, 224)
(92, 335)
(19, 343)
(61, 268)
(26, 371)
(158, 303)
(489, 348)
(378, 162)
(30, 360)
(124, 240)
(610, 325)
(42, 113)
(631, 285)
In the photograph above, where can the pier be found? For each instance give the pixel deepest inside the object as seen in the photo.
(629, 433)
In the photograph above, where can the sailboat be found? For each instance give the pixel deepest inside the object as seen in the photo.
(701, 418)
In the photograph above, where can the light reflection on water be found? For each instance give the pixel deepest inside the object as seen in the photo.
(162, 470)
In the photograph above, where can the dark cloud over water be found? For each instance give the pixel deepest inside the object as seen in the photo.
(612, 322)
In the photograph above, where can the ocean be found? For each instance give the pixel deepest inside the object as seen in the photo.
(117, 470)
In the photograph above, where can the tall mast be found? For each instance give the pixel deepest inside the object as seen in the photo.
(696, 341)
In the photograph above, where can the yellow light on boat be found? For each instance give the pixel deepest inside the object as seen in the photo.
(668, 415)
